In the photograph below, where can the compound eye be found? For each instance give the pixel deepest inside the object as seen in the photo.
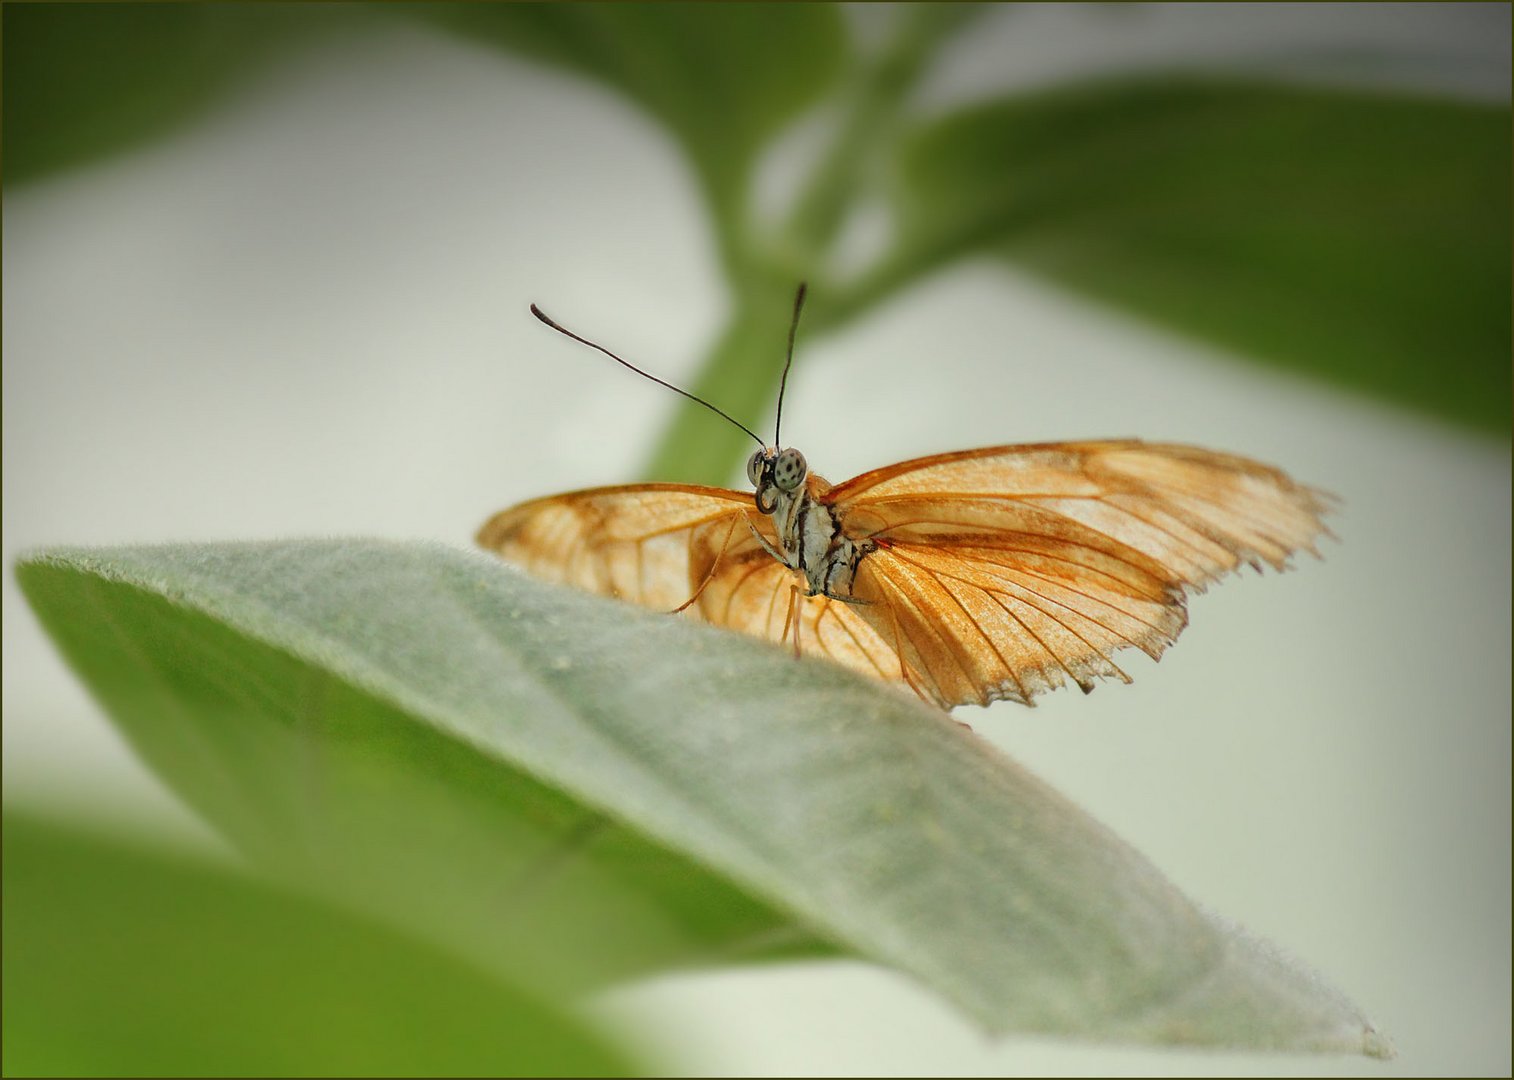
(754, 467)
(789, 470)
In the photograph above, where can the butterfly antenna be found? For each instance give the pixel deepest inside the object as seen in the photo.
(542, 315)
(784, 382)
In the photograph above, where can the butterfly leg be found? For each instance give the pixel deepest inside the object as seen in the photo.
(854, 600)
(769, 548)
(709, 577)
(796, 606)
(788, 619)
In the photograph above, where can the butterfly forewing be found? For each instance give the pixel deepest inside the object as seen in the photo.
(637, 543)
(1194, 514)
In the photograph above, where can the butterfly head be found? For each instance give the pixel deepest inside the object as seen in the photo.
(774, 472)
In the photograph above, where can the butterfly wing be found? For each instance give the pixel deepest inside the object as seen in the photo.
(640, 542)
(1004, 572)
(753, 592)
(660, 544)
(998, 573)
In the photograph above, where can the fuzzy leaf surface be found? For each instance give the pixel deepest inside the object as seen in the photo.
(448, 742)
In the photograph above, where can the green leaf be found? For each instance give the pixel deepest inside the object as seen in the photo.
(1360, 237)
(249, 676)
(722, 77)
(326, 775)
(121, 960)
(86, 80)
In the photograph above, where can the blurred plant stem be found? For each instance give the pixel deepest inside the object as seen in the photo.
(742, 369)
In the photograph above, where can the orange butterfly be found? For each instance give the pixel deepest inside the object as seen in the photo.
(969, 577)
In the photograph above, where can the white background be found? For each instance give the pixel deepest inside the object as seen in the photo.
(307, 316)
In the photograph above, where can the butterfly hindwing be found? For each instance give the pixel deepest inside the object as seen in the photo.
(754, 593)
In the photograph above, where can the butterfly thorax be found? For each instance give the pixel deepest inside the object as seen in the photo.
(811, 540)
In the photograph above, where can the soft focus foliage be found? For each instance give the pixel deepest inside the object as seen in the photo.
(128, 961)
(723, 79)
(1362, 237)
(86, 80)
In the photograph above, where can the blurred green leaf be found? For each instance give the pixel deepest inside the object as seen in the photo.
(250, 676)
(871, 103)
(744, 365)
(1361, 237)
(121, 960)
(741, 374)
(723, 77)
(85, 80)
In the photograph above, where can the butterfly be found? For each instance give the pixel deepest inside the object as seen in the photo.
(966, 577)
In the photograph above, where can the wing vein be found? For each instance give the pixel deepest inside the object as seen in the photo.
(928, 626)
(845, 624)
(1068, 607)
